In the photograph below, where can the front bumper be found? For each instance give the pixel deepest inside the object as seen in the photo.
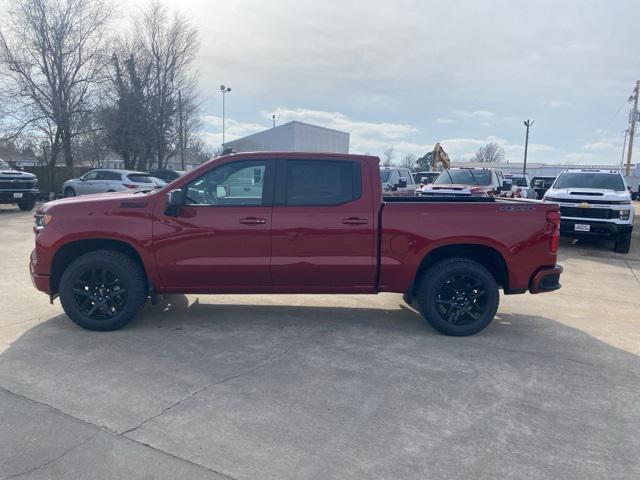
(597, 229)
(546, 279)
(41, 282)
(7, 196)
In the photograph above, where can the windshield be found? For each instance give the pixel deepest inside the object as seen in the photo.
(4, 165)
(606, 181)
(464, 176)
(384, 175)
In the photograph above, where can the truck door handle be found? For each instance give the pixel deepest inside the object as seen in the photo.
(355, 221)
(253, 221)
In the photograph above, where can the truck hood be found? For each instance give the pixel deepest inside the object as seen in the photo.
(96, 200)
(586, 194)
(458, 189)
(16, 175)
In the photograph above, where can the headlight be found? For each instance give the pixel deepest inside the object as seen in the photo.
(624, 214)
(42, 219)
(549, 199)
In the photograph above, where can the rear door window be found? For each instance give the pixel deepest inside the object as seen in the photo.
(140, 178)
(319, 182)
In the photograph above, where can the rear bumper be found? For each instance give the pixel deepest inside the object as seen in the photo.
(598, 229)
(546, 279)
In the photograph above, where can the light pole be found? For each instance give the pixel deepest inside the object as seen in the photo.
(224, 91)
(528, 124)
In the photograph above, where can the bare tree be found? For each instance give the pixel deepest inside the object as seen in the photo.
(408, 161)
(387, 157)
(169, 43)
(489, 153)
(51, 54)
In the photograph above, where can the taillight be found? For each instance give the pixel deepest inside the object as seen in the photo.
(553, 219)
(130, 185)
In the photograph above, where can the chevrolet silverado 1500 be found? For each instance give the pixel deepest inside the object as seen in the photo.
(292, 223)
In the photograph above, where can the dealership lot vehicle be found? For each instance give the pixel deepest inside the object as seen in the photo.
(423, 179)
(292, 223)
(17, 187)
(221, 382)
(541, 185)
(594, 203)
(105, 180)
(397, 182)
(474, 182)
(520, 186)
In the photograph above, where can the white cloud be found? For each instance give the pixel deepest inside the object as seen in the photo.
(444, 121)
(557, 103)
(212, 129)
(483, 114)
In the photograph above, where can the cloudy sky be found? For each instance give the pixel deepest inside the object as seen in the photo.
(409, 73)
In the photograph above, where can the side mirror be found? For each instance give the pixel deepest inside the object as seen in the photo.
(402, 183)
(506, 186)
(175, 200)
(82, 179)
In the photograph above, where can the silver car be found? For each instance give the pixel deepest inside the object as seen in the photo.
(109, 180)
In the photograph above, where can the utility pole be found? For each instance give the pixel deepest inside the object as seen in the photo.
(632, 127)
(181, 120)
(624, 148)
(528, 124)
(224, 91)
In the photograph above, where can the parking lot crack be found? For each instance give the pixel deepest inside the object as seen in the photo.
(51, 460)
(635, 275)
(207, 387)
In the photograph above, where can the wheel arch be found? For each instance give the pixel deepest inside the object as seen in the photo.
(68, 252)
(489, 257)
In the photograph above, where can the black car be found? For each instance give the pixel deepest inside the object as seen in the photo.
(166, 174)
(541, 185)
(18, 187)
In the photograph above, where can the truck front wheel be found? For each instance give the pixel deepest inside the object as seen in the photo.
(458, 297)
(102, 290)
(623, 242)
(26, 205)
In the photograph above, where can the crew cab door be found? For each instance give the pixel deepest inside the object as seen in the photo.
(220, 239)
(322, 234)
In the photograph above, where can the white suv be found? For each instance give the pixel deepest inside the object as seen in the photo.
(110, 180)
(594, 203)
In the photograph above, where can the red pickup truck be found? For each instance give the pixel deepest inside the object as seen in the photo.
(292, 223)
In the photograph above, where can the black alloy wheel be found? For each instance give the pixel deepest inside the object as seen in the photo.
(99, 293)
(462, 299)
(103, 290)
(458, 296)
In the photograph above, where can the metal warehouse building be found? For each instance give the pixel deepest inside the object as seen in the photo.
(293, 137)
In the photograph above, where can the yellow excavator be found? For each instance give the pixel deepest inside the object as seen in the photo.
(438, 156)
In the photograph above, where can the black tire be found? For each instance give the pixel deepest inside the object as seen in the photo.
(26, 205)
(69, 192)
(623, 243)
(115, 298)
(458, 285)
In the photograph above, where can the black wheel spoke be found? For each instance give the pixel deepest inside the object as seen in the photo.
(99, 293)
(461, 299)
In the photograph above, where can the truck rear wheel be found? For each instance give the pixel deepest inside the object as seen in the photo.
(623, 243)
(458, 297)
(102, 290)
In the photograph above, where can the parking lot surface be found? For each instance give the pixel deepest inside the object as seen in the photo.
(324, 386)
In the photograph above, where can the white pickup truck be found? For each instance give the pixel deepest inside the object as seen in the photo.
(594, 203)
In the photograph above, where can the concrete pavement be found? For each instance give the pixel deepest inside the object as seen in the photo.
(324, 387)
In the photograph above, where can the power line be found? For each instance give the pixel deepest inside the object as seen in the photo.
(601, 131)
